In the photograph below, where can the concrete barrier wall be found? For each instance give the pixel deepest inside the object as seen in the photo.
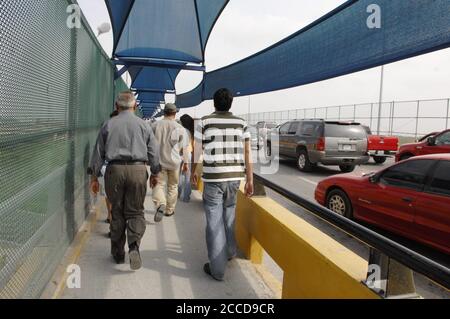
(314, 265)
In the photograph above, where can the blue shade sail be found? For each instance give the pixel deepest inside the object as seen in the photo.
(152, 97)
(148, 109)
(119, 11)
(163, 29)
(337, 44)
(153, 78)
(208, 13)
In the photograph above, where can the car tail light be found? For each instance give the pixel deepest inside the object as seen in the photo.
(320, 146)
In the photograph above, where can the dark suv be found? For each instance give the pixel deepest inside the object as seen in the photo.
(317, 141)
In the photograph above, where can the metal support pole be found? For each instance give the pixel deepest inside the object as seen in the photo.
(326, 113)
(417, 119)
(388, 278)
(371, 115)
(339, 117)
(315, 113)
(249, 123)
(392, 117)
(354, 113)
(381, 99)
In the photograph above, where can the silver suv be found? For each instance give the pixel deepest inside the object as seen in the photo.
(312, 142)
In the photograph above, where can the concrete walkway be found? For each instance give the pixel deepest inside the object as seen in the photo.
(173, 253)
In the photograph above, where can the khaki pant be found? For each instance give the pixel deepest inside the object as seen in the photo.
(166, 192)
(126, 189)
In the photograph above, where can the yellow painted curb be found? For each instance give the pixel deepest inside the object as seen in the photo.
(270, 280)
(74, 253)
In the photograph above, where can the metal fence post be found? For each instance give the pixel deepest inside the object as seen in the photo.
(392, 117)
(371, 115)
(326, 113)
(315, 113)
(379, 118)
(417, 119)
(339, 116)
(395, 280)
(354, 113)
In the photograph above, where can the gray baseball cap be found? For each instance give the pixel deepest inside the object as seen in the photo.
(170, 108)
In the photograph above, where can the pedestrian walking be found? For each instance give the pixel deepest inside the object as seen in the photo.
(101, 180)
(184, 187)
(128, 144)
(172, 138)
(224, 141)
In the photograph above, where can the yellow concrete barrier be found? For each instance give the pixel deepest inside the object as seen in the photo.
(314, 265)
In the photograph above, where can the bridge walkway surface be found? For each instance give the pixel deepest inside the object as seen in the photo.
(173, 254)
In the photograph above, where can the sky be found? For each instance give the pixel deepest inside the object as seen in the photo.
(248, 26)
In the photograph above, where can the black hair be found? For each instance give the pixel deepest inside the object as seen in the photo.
(188, 123)
(223, 99)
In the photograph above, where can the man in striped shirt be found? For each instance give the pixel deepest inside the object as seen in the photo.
(224, 141)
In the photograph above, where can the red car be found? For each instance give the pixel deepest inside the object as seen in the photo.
(433, 144)
(410, 198)
(380, 147)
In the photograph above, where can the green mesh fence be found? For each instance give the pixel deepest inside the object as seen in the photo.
(56, 89)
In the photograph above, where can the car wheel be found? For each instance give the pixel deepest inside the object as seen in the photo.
(346, 168)
(303, 162)
(405, 157)
(338, 202)
(379, 159)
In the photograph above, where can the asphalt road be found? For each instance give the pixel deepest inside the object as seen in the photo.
(304, 185)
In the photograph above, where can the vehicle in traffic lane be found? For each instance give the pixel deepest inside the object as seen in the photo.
(263, 129)
(410, 198)
(424, 138)
(311, 142)
(433, 144)
(381, 147)
(253, 136)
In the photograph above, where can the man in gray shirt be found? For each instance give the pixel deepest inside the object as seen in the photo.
(128, 144)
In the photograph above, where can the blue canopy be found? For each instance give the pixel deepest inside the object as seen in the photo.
(149, 109)
(153, 78)
(155, 39)
(163, 29)
(148, 97)
(339, 43)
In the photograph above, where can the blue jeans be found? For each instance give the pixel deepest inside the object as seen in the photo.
(219, 201)
(184, 187)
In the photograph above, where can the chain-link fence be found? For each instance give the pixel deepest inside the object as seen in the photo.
(405, 118)
(56, 89)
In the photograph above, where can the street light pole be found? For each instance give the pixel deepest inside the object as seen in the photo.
(249, 102)
(381, 100)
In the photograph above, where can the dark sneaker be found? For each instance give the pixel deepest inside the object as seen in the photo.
(160, 213)
(135, 259)
(207, 270)
(119, 259)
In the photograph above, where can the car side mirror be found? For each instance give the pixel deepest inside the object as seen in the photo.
(431, 141)
(374, 178)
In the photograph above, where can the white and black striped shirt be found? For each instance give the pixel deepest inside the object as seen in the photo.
(222, 136)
